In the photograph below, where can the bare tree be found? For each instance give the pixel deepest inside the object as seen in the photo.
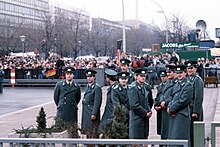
(9, 38)
(177, 28)
(77, 27)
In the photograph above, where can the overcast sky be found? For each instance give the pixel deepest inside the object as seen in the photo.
(190, 10)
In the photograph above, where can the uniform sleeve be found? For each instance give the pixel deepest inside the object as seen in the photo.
(97, 100)
(184, 99)
(135, 104)
(56, 94)
(198, 95)
(78, 95)
(150, 99)
(115, 98)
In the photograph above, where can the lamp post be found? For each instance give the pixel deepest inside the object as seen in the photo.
(23, 42)
(123, 15)
(162, 11)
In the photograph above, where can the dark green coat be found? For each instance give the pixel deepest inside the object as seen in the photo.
(198, 92)
(66, 99)
(179, 127)
(139, 107)
(157, 103)
(107, 116)
(166, 96)
(120, 97)
(91, 106)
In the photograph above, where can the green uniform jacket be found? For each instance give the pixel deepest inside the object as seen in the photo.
(157, 103)
(66, 99)
(91, 106)
(198, 92)
(166, 96)
(107, 116)
(179, 127)
(139, 107)
(120, 97)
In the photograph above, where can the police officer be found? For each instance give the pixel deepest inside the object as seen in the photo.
(140, 111)
(152, 75)
(125, 68)
(67, 95)
(198, 92)
(91, 106)
(157, 107)
(2, 73)
(120, 95)
(165, 99)
(111, 78)
(119, 92)
(179, 106)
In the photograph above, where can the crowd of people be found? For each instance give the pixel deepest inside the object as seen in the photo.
(178, 102)
(35, 67)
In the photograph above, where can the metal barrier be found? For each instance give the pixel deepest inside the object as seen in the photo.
(74, 142)
(199, 134)
(213, 132)
(79, 77)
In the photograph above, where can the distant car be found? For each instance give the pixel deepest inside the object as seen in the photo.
(85, 57)
(102, 58)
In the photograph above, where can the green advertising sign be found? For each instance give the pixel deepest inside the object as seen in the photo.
(179, 46)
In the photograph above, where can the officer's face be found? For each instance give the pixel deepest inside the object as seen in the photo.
(141, 78)
(124, 67)
(90, 79)
(181, 75)
(69, 76)
(123, 81)
(170, 75)
(164, 79)
(191, 70)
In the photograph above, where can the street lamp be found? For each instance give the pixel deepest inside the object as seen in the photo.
(123, 14)
(162, 11)
(167, 19)
(23, 42)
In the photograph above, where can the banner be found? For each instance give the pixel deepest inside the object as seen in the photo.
(180, 45)
(50, 73)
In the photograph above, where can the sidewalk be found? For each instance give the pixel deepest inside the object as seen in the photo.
(27, 117)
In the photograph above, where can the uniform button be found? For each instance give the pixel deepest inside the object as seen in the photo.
(84, 99)
(88, 105)
(64, 97)
(64, 103)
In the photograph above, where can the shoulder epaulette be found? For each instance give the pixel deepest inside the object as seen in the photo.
(115, 87)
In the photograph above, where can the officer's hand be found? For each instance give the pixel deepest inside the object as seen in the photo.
(194, 115)
(149, 114)
(157, 108)
(93, 117)
(168, 111)
(162, 104)
(173, 115)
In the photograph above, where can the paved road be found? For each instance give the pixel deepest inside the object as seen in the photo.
(18, 98)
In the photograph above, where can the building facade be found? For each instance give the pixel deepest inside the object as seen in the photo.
(31, 13)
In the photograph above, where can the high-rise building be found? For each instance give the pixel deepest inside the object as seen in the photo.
(28, 13)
